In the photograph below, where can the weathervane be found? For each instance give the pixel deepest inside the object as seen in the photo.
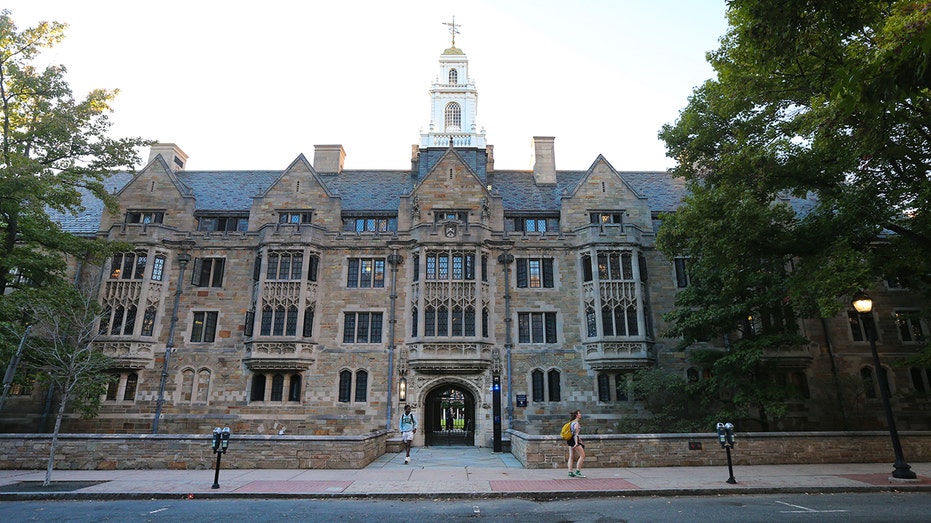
(453, 29)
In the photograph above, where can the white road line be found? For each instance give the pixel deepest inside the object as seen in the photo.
(803, 509)
(159, 510)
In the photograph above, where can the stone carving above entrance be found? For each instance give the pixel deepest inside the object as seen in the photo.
(449, 358)
(279, 356)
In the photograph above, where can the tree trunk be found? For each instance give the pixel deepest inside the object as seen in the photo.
(54, 444)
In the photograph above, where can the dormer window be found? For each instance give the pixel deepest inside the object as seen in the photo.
(453, 77)
(145, 216)
(442, 216)
(605, 218)
(294, 216)
(453, 117)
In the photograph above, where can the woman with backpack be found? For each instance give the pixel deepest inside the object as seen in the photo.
(576, 446)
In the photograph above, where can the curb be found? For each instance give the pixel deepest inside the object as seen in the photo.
(533, 496)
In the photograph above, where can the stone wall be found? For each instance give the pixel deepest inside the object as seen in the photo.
(193, 452)
(752, 448)
(189, 451)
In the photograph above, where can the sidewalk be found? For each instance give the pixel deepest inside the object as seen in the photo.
(454, 472)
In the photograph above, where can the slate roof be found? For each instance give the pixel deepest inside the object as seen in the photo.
(377, 191)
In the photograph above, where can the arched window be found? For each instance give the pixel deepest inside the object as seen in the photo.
(113, 386)
(187, 385)
(131, 381)
(308, 322)
(345, 386)
(453, 76)
(553, 383)
(453, 117)
(536, 383)
(277, 387)
(362, 383)
(604, 387)
(442, 321)
(294, 388)
(203, 385)
(691, 375)
(258, 388)
(458, 317)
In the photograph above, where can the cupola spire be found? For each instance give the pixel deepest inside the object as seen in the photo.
(453, 101)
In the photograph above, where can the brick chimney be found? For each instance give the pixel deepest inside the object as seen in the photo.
(171, 153)
(544, 160)
(329, 158)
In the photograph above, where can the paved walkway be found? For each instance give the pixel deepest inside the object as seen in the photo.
(454, 472)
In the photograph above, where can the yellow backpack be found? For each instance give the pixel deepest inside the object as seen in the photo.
(566, 431)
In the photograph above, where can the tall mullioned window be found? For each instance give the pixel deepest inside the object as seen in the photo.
(365, 273)
(362, 327)
(284, 265)
(536, 327)
(535, 273)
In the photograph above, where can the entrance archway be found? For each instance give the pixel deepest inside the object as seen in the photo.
(449, 417)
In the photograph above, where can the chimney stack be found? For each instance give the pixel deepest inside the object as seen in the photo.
(544, 160)
(329, 158)
(171, 153)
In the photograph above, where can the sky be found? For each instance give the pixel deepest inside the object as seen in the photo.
(251, 85)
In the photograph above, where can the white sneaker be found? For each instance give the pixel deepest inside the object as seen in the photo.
(407, 460)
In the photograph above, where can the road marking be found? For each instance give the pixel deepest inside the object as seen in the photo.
(159, 510)
(803, 509)
(476, 511)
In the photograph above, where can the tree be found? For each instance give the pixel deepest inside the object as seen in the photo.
(807, 161)
(53, 149)
(675, 404)
(61, 350)
(824, 106)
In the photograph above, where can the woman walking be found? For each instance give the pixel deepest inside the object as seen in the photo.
(576, 447)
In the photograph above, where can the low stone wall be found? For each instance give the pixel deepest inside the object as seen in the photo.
(192, 451)
(189, 451)
(751, 448)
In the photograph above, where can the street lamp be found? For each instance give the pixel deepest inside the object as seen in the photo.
(864, 306)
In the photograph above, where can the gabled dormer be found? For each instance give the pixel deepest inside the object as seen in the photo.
(298, 197)
(451, 194)
(155, 196)
(603, 203)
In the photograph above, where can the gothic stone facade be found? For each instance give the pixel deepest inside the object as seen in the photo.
(319, 300)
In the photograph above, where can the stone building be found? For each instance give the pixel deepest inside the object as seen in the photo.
(320, 300)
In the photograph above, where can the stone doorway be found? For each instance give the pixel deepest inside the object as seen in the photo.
(449, 417)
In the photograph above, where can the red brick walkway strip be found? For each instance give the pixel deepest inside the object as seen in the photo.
(295, 487)
(561, 485)
(882, 479)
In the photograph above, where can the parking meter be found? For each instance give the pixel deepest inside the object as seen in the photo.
(216, 439)
(729, 434)
(726, 439)
(225, 438)
(221, 442)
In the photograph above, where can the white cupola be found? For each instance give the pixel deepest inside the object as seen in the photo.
(453, 102)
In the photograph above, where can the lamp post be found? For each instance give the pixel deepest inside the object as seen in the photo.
(864, 307)
(183, 259)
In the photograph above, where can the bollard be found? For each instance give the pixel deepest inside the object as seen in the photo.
(221, 442)
(726, 439)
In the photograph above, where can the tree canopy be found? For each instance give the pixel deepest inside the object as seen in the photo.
(53, 149)
(807, 159)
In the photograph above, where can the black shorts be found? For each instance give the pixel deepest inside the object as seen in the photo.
(571, 443)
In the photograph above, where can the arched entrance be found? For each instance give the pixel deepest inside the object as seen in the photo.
(449, 417)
